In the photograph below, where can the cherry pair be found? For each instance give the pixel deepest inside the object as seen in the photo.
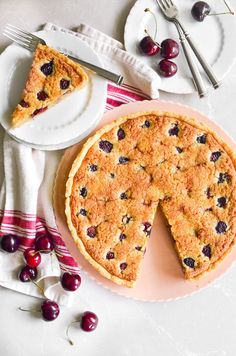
(50, 311)
(168, 49)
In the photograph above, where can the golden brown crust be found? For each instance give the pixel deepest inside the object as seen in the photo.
(182, 210)
(62, 68)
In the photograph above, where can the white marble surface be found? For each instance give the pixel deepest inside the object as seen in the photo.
(201, 325)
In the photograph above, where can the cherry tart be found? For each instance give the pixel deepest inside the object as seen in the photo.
(143, 161)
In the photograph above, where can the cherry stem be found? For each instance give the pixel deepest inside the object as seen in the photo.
(148, 10)
(40, 288)
(40, 251)
(67, 331)
(31, 311)
(152, 38)
(230, 12)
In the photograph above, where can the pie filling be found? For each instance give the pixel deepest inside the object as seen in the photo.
(143, 162)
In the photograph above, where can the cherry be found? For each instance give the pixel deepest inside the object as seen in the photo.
(200, 10)
(70, 282)
(169, 49)
(42, 95)
(10, 243)
(64, 84)
(47, 68)
(32, 257)
(89, 321)
(24, 104)
(50, 310)
(39, 111)
(44, 244)
(28, 273)
(167, 68)
(148, 46)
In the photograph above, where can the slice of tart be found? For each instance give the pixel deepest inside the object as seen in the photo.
(136, 163)
(52, 75)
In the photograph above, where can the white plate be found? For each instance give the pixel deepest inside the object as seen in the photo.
(68, 121)
(214, 36)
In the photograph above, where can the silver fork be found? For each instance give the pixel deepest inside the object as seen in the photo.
(29, 41)
(170, 12)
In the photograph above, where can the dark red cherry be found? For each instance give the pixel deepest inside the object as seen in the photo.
(120, 134)
(27, 274)
(190, 262)
(200, 10)
(123, 266)
(10, 243)
(89, 321)
(42, 95)
(83, 192)
(110, 255)
(123, 160)
(92, 231)
(44, 244)
(167, 68)
(47, 68)
(106, 146)
(147, 228)
(39, 111)
(24, 104)
(32, 257)
(221, 227)
(169, 49)
(50, 310)
(83, 212)
(70, 282)
(64, 84)
(93, 167)
(148, 46)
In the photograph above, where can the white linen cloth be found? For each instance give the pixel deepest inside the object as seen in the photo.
(27, 175)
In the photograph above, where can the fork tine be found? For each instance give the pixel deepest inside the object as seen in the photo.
(21, 34)
(18, 42)
(167, 3)
(29, 34)
(17, 35)
(161, 5)
(17, 29)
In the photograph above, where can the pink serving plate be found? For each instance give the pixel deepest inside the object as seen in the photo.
(161, 277)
